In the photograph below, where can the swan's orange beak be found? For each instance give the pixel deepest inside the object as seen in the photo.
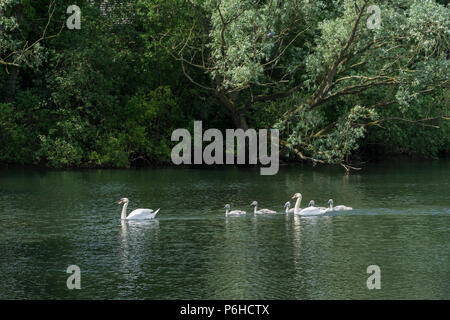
(120, 202)
(293, 197)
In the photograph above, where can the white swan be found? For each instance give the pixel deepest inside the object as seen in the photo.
(137, 214)
(337, 208)
(287, 205)
(234, 212)
(297, 208)
(261, 211)
(312, 210)
(312, 203)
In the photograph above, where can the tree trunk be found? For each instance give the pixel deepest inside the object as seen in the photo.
(239, 120)
(237, 116)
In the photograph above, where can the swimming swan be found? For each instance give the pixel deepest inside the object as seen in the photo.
(287, 205)
(137, 214)
(297, 208)
(234, 212)
(312, 203)
(337, 208)
(312, 210)
(261, 211)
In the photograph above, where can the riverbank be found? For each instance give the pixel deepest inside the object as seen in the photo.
(374, 159)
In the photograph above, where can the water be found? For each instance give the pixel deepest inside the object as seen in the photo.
(52, 219)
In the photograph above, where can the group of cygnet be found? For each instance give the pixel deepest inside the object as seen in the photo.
(308, 211)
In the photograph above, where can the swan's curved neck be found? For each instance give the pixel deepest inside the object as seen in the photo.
(287, 209)
(297, 204)
(124, 210)
(256, 208)
(226, 211)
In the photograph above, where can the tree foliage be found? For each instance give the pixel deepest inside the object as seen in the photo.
(111, 93)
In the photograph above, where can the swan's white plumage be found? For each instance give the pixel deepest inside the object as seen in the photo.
(297, 208)
(138, 214)
(142, 214)
(234, 212)
(337, 208)
(261, 211)
(312, 210)
(287, 206)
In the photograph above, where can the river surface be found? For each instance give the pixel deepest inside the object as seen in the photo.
(50, 220)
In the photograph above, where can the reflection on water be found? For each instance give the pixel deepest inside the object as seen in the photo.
(52, 219)
(133, 249)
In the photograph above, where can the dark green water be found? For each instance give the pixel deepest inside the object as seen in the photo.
(52, 219)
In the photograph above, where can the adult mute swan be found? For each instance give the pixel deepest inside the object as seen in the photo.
(137, 214)
(337, 208)
(234, 212)
(261, 211)
(297, 208)
(312, 210)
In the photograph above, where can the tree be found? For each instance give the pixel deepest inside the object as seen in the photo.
(20, 38)
(317, 61)
(248, 49)
(110, 93)
(366, 70)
